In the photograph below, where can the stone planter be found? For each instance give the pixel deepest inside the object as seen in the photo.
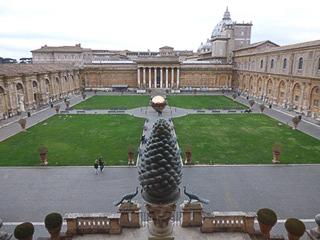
(23, 126)
(265, 229)
(131, 157)
(43, 159)
(261, 110)
(55, 232)
(188, 158)
(293, 237)
(295, 125)
(57, 110)
(276, 157)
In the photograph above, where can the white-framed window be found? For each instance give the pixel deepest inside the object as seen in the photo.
(296, 98)
(316, 103)
(282, 94)
(271, 64)
(261, 63)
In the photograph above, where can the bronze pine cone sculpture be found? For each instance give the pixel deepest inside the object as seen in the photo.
(160, 169)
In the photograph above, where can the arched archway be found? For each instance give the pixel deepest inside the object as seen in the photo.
(251, 83)
(315, 101)
(259, 87)
(269, 88)
(282, 92)
(296, 94)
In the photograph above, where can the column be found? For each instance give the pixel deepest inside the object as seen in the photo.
(144, 77)
(214, 81)
(155, 77)
(172, 76)
(227, 81)
(301, 97)
(167, 77)
(149, 69)
(160, 77)
(138, 77)
(178, 77)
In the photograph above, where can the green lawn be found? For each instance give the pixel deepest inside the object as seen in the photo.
(107, 102)
(74, 140)
(191, 101)
(243, 139)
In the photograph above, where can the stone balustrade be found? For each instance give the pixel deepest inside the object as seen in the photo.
(228, 222)
(92, 223)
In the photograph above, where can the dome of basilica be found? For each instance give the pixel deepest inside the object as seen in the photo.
(218, 28)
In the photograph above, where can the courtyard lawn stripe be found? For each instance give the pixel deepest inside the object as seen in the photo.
(243, 139)
(202, 101)
(74, 140)
(111, 101)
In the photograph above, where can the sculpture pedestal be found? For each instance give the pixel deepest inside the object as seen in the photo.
(191, 214)
(161, 224)
(130, 209)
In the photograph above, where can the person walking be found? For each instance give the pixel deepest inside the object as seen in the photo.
(101, 163)
(96, 165)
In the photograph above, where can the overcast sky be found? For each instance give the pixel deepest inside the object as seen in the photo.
(140, 25)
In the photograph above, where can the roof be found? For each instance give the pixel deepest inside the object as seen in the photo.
(295, 46)
(166, 47)
(15, 69)
(76, 48)
(254, 45)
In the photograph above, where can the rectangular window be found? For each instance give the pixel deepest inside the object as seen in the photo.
(269, 91)
(84, 56)
(316, 103)
(259, 89)
(282, 94)
(296, 98)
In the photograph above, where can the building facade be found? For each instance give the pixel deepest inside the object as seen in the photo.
(287, 76)
(28, 86)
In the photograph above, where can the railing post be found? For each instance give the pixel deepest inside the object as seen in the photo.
(71, 224)
(207, 225)
(249, 222)
(115, 223)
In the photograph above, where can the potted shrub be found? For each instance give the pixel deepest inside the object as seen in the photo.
(195, 92)
(122, 91)
(84, 96)
(262, 107)
(295, 228)
(24, 231)
(95, 91)
(251, 102)
(267, 219)
(295, 121)
(222, 91)
(57, 108)
(42, 151)
(22, 122)
(130, 150)
(234, 96)
(53, 223)
(188, 149)
(277, 148)
(67, 104)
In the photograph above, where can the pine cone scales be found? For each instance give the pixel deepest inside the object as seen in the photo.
(160, 169)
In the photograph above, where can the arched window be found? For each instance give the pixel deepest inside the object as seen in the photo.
(19, 86)
(284, 64)
(34, 84)
(261, 64)
(300, 63)
(271, 65)
(1, 90)
(47, 82)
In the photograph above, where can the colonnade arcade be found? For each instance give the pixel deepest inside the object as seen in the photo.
(158, 77)
(299, 94)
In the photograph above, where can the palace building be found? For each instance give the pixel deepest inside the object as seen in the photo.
(287, 76)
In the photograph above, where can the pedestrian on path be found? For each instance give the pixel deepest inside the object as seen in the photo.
(101, 163)
(96, 165)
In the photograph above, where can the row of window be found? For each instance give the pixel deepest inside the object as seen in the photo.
(284, 64)
(64, 57)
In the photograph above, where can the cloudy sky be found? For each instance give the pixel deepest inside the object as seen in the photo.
(147, 24)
